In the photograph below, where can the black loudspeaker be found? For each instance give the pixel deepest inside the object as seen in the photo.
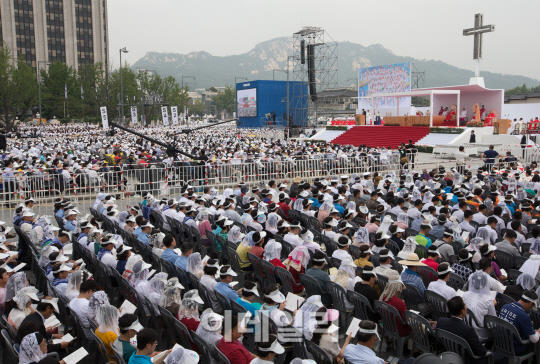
(311, 72)
(303, 51)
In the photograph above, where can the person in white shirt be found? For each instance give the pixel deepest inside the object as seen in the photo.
(439, 286)
(460, 156)
(106, 255)
(480, 217)
(292, 236)
(79, 305)
(329, 223)
(478, 298)
(170, 212)
(414, 212)
(343, 249)
(465, 225)
(459, 213)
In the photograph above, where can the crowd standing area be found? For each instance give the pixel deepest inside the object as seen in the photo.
(219, 260)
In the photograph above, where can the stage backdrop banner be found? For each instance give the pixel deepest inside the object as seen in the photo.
(134, 114)
(164, 115)
(174, 114)
(384, 79)
(104, 118)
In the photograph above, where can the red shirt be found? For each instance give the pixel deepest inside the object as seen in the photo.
(277, 263)
(285, 208)
(257, 250)
(399, 305)
(431, 263)
(234, 351)
(191, 325)
(297, 288)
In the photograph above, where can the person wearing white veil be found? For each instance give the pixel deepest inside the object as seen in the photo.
(210, 330)
(521, 194)
(155, 288)
(189, 310)
(478, 298)
(345, 277)
(325, 210)
(309, 240)
(474, 248)
(74, 284)
(272, 253)
(487, 234)
(44, 260)
(128, 270)
(33, 349)
(306, 318)
(408, 248)
(139, 278)
(271, 223)
(182, 356)
(98, 299)
(523, 283)
(532, 265)
(23, 300)
(195, 265)
(156, 241)
(15, 283)
(385, 225)
(402, 220)
(108, 330)
(235, 235)
(361, 237)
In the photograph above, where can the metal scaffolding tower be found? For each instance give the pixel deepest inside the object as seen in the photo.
(315, 69)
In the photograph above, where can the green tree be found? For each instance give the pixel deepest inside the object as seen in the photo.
(198, 108)
(224, 100)
(54, 81)
(18, 89)
(212, 89)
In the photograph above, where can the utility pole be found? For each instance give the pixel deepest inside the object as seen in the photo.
(122, 50)
(39, 85)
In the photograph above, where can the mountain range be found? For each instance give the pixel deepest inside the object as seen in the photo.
(259, 63)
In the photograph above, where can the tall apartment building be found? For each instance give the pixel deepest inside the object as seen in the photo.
(71, 31)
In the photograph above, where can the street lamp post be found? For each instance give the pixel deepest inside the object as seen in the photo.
(39, 86)
(122, 50)
(235, 94)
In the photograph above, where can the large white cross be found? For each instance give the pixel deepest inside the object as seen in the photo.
(478, 31)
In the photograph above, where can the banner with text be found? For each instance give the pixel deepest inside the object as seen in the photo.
(104, 118)
(164, 115)
(174, 114)
(134, 114)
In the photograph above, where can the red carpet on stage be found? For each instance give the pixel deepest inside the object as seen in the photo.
(381, 136)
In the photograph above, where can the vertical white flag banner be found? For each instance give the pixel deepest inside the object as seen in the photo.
(164, 115)
(104, 118)
(134, 114)
(174, 114)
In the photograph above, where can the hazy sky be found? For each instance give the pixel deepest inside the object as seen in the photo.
(423, 29)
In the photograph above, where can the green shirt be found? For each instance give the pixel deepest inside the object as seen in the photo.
(125, 348)
(423, 240)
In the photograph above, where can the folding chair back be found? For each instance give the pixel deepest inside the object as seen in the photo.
(362, 307)
(422, 331)
(320, 356)
(439, 304)
(269, 271)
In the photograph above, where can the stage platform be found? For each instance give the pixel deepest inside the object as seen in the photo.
(381, 136)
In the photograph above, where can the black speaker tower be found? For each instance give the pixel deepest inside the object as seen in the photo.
(303, 52)
(311, 72)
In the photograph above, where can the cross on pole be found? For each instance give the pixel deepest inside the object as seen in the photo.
(478, 30)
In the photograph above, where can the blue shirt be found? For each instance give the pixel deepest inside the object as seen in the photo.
(60, 213)
(410, 277)
(490, 156)
(140, 359)
(516, 315)
(169, 255)
(340, 208)
(250, 308)
(358, 354)
(181, 262)
(144, 238)
(226, 290)
(69, 225)
(137, 231)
